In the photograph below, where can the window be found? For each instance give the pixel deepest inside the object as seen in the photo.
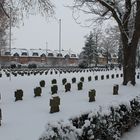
(35, 54)
(16, 54)
(50, 54)
(59, 55)
(67, 56)
(7, 53)
(43, 55)
(24, 53)
(73, 55)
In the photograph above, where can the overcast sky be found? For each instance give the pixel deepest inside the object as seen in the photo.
(37, 31)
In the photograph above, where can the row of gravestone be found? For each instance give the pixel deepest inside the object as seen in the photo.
(51, 71)
(55, 100)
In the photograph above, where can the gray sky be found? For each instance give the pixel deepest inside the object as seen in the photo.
(37, 31)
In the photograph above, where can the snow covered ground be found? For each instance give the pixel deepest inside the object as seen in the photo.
(25, 120)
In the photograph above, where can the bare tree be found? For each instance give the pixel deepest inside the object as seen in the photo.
(126, 13)
(20, 9)
(110, 42)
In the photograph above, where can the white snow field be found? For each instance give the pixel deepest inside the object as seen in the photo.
(26, 119)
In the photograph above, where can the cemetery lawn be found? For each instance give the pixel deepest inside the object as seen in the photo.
(26, 119)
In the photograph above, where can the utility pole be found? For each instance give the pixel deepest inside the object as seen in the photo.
(46, 47)
(59, 36)
(10, 43)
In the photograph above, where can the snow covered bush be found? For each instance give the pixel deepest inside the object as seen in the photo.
(96, 126)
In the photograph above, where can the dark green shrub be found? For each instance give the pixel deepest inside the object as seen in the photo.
(0, 74)
(37, 91)
(42, 83)
(54, 89)
(67, 87)
(18, 94)
(74, 80)
(80, 85)
(82, 79)
(89, 78)
(54, 81)
(64, 81)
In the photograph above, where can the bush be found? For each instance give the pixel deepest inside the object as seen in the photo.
(67, 87)
(42, 83)
(37, 91)
(80, 85)
(32, 66)
(93, 126)
(83, 65)
(74, 80)
(54, 81)
(18, 94)
(64, 81)
(54, 89)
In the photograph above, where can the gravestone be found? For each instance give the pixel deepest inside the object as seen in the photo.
(0, 116)
(92, 94)
(54, 104)
(115, 89)
(18, 94)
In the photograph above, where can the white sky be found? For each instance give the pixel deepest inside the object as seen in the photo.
(37, 31)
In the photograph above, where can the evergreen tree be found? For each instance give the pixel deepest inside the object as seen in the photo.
(90, 53)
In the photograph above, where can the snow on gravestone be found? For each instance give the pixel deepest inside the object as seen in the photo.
(54, 103)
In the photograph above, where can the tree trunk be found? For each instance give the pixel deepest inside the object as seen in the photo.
(129, 64)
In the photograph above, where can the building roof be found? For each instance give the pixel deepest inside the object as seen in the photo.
(40, 52)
